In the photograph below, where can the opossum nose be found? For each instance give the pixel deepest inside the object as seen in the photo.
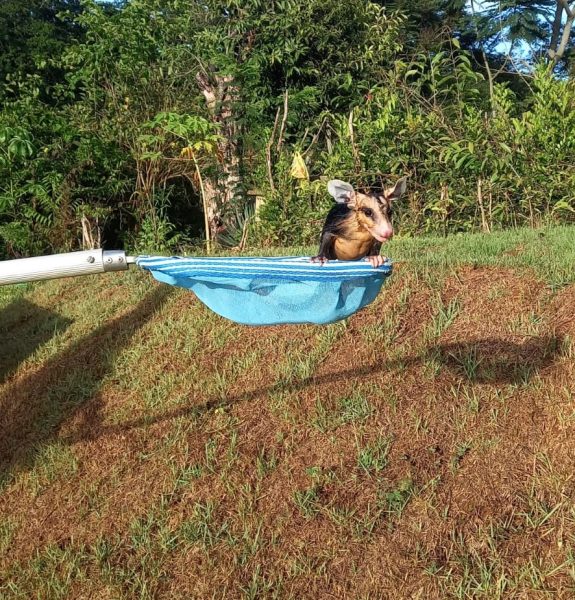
(382, 235)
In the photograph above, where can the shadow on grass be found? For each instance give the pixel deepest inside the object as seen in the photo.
(24, 327)
(487, 361)
(498, 361)
(34, 407)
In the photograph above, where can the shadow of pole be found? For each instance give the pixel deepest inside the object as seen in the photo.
(24, 327)
(34, 407)
(496, 362)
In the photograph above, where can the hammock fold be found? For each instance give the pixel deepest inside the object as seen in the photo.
(273, 290)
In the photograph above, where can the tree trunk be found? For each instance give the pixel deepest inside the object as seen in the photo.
(556, 30)
(484, 223)
(221, 94)
(559, 41)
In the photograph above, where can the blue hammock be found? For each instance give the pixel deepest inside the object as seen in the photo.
(269, 291)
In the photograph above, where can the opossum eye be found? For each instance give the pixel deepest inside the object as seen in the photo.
(367, 212)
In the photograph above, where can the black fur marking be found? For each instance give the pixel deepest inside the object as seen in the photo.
(385, 206)
(375, 249)
(333, 228)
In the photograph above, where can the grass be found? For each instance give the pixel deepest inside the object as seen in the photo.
(548, 251)
(420, 449)
(373, 458)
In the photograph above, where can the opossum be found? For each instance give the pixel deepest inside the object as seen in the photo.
(358, 224)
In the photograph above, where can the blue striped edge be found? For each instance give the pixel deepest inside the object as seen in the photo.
(294, 268)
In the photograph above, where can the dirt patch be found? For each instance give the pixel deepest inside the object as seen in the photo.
(561, 314)
(335, 465)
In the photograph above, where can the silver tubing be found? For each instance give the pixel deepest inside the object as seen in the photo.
(71, 264)
(114, 260)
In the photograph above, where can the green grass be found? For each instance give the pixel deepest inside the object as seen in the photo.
(550, 252)
(419, 449)
(444, 316)
(373, 457)
(348, 409)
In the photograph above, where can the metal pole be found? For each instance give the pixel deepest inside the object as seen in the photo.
(71, 264)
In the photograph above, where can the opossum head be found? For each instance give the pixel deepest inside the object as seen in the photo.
(372, 211)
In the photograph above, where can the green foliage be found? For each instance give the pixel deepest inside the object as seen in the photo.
(16, 144)
(33, 36)
(473, 162)
(238, 224)
(107, 111)
(157, 232)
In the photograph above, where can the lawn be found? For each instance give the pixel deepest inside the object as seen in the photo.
(423, 448)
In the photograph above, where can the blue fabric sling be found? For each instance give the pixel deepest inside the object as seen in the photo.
(273, 290)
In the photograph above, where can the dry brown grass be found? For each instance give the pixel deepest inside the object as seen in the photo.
(151, 449)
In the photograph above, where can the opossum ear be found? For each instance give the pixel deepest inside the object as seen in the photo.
(395, 192)
(341, 191)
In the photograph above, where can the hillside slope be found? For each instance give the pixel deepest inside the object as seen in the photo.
(421, 449)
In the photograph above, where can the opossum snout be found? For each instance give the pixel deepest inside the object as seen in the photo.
(382, 234)
(382, 230)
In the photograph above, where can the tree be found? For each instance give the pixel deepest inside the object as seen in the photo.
(561, 30)
(430, 23)
(33, 36)
(258, 60)
(534, 29)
